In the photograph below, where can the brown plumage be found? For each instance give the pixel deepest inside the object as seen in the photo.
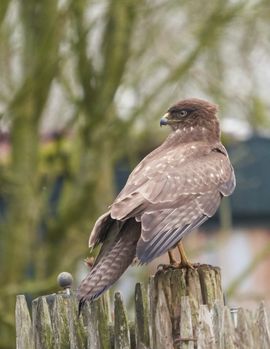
(173, 190)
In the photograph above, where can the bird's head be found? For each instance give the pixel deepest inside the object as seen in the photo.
(192, 116)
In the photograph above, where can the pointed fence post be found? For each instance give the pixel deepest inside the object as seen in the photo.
(24, 330)
(181, 309)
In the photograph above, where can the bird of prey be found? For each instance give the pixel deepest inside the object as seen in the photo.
(172, 191)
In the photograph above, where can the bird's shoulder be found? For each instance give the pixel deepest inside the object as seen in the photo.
(179, 154)
(168, 174)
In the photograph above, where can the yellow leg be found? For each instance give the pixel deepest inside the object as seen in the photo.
(173, 261)
(184, 260)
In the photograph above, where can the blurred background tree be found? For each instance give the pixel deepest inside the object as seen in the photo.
(82, 86)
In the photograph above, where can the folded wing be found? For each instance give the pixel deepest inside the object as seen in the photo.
(173, 193)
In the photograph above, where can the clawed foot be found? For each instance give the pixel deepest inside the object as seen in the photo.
(186, 264)
(164, 267)
(175, 265)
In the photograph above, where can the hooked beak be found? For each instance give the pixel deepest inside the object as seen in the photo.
(164, 120)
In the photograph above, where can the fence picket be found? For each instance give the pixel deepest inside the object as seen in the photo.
(182, 309)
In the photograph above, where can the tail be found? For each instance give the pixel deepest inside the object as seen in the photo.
(114, 258)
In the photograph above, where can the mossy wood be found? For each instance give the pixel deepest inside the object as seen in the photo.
(180, 309)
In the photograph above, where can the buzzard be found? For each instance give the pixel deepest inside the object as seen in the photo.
(172, 191)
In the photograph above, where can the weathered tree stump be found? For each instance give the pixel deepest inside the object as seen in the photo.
(180, 309)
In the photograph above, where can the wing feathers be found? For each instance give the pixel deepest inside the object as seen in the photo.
(164, 241)
(162, 229)
(170, 194)
(100, 229)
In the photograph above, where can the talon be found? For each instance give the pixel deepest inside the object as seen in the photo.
(187, 264)
(164, 267)
(161, 267)
(177, 265)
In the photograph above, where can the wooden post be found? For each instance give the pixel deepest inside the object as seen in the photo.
(121, 328)
(181, 309)
(24, 333)
(141, 318)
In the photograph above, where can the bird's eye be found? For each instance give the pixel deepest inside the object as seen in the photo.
(183, 113)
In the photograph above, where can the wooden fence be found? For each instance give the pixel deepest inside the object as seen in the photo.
(180, 309)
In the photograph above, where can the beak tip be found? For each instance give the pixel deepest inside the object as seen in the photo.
(163, 122)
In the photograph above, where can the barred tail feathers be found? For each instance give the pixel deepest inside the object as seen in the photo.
(112, 265)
